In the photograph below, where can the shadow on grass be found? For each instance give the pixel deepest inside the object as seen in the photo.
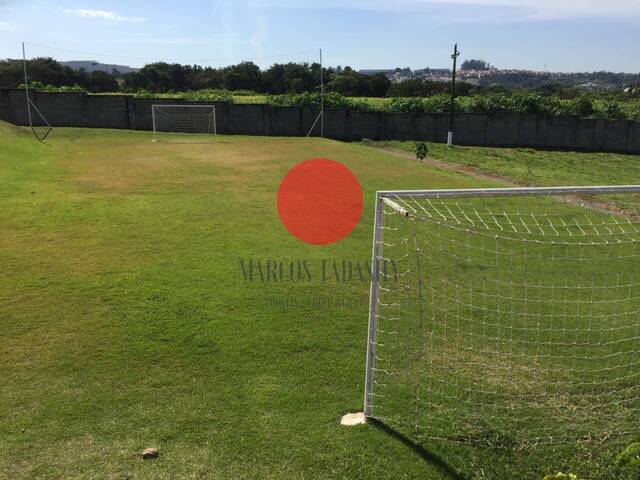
(424, 454)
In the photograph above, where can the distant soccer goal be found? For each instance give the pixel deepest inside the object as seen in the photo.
(506, 316)
(184, 119)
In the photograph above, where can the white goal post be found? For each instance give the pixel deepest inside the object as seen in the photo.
(192, 119)
(41, 137)
(507, 313)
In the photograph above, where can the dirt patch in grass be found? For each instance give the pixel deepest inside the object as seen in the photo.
(152, 166)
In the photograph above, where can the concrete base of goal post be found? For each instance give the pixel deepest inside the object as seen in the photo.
(352, 419)
(450, 139)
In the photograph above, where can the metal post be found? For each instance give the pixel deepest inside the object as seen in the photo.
(373, 306)
(321, 98)
(153, 120)
(26, 86)
(455, 56)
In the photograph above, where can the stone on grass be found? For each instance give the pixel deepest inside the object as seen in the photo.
(150, 453)
(351, 419)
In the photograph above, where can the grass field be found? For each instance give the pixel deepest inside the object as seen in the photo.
(126, 322)
(530, 167)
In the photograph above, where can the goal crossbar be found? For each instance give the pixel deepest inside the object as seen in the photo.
(523, 191)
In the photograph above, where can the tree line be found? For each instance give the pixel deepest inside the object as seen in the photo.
(163, 77)
(293, 78)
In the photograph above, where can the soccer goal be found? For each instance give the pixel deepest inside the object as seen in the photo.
(506, 315)
(184, 119)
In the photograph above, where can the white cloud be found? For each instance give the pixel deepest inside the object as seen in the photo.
(102, 15)
(561, 8)
(8, 27)
(530, 9)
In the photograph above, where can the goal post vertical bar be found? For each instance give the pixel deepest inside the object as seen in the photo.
(373, 306)
(153, 120)
(26, 86)
(215, 122)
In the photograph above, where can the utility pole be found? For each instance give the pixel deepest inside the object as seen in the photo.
(455, 56)
(321, 98)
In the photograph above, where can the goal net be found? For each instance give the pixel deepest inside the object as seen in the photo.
(506, 317)
(189, 119)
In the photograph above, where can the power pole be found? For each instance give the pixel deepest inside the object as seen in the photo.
(321, 98)
(455, 56)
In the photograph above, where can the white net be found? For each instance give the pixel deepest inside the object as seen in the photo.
(507, 321)
(190, 119)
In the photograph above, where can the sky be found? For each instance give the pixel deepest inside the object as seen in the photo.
(552, 35)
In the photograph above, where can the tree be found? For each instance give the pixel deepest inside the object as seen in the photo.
(474, 65)
(44, 70)
(353, 84)
(426, 88)
(153, 77)
(211, 78)
(244, 76)
(345, 83)
(100, 82)
(11, 74)
(291, 78)
(379, 85)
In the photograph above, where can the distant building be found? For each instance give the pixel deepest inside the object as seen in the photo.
(375, 72)
(589, 86)
(397, 75)
(90, 66)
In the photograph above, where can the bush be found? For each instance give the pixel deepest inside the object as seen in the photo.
(144, 94)
(526, 103)
(483, 104)
(208, 96)
(630, 456)
(613, 110)
(422, 150)
(194, 96)
(435, 104)
(313, 100)
(581, 106)
(562, 476)
(406, 104)
(40, 87)
(244, 93)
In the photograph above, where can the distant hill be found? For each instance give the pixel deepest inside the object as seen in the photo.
(93, 66)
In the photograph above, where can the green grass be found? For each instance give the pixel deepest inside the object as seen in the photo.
(527, 166)
(126, 322)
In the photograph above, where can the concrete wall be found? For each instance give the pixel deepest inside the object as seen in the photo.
(500, 130)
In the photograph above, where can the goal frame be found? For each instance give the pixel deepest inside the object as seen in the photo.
(174, 105)
(31, 104)
(386, 198)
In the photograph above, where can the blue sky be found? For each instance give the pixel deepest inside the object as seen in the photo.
(563, 35)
